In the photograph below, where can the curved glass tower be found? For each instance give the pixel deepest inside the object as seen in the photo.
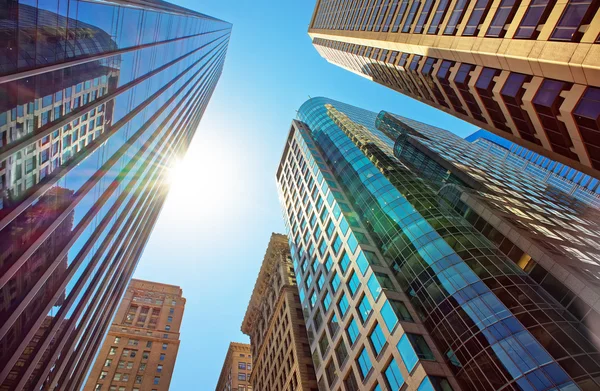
(422, 259)
(96, 100)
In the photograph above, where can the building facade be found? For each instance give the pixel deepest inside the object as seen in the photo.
(275, 324)
(525, 70)
(96, 100)
(237, 368)
(581, 186)
(141, 346)
(424, 260)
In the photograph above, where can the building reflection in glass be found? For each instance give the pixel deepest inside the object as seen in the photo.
(96, 98)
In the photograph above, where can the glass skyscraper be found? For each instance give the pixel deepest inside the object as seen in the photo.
(97, 99)
(424, 260)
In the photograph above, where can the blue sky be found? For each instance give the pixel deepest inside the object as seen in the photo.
(223, 206)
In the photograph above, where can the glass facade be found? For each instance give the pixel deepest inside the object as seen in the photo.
(581, 186)
(456, 267)
(97, 99)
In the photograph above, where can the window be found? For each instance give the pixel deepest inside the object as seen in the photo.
(537, 13)
(337, 244)
(133, 342)
(321, 281)
(377, 339)
(159, 368)
(129, 364)
(504, 15)
(343, 305)
(352, 331)
(335, 283)
(117, 339)
(138, 380)
(413, 347)
(577, 13)
(330, 373)
(113, 350)
(341, 353)
(167, 327)
(156, 380)
(142, 367)
(350, 383)
(162, 357)
(326, 301)
(117, 377)
(374, 286)
(169, 319)
(164, 346)
(344, 263)
(364, 308)
(98, 387)
(242, 376)
(353, 284)
(145, 355)
(324, 344)
(121, 364)
(394, 310)
(393, 376)
(108, 362)
(242, 365)
(364, 363)
(103, 375)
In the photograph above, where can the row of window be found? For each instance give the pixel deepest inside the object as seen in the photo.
(396, 70)
(420, 17)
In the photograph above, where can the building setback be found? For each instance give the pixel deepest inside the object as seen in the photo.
(525, 70)
(423, 260)
(235, 374)
(97, 99)
(141, 346)
(275, 324)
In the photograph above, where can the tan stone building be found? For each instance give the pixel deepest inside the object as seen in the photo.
(525, 70)
(139, 351)
(275, 323)
(235, 375)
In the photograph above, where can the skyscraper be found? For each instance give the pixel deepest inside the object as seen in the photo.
(235, 374)
(444, 267)
(524, 70)
(275, 324)
(141, 346)
(97, 99)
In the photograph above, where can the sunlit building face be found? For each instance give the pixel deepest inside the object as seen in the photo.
(96, 102)
(425, 262)
(523, 70)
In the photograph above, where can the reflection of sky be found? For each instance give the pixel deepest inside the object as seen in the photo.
(216, 224)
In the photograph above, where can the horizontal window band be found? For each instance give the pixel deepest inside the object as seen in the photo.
(107, 218)
(54, 67)
(89, 216)
(42, 187)
(12, 148)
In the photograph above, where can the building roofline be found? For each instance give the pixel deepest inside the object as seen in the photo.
(277, 243)
(230, 349)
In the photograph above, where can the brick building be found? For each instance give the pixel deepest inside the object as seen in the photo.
(275, 324)
(139, 351)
